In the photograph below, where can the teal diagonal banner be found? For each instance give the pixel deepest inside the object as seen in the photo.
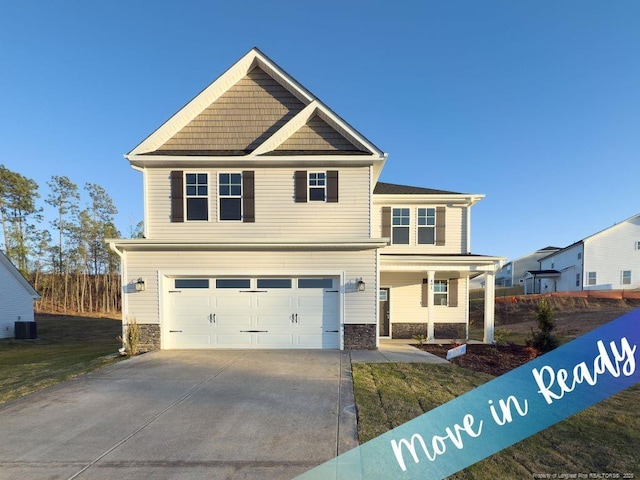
(499, 413)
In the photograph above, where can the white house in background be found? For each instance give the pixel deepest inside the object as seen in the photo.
(266, 227)
(510, 274)
(16, 298)
(609, 259)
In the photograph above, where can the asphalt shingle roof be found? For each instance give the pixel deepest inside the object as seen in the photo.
(382, 188)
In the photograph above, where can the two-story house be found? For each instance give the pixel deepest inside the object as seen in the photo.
(608, 259)
(266, 227)
(511, 273)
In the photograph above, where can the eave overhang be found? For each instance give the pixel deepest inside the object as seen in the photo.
(466, 199)
(257, 161)
(239, 245)
(421, 263)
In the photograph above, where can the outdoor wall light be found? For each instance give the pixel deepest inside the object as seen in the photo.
(361, 285)
(139, 285)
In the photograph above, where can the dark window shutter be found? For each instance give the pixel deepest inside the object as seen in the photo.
(248, 197)
(300, 186)
(332, 186)
(453, 292)
(386, 222)
(440, 225)
(177, 196)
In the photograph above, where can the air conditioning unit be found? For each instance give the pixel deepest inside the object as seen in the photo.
(26, 330)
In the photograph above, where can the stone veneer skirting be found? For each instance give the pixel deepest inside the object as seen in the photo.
(359, 336)
(149, 337)
(440, 330)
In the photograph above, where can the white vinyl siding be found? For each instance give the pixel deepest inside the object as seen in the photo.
(359, 307)
(611, 251)
(277, 216)
(455, 230)
(406, 299)
(566, 262)
(17, 303)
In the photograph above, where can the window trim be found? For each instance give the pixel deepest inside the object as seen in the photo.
(221, 197)
(187, 196)
(408, 226)
(446, 292)
(317, 187)
(622, 277)
(426, 225)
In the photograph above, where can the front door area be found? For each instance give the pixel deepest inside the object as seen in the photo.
(383, 312)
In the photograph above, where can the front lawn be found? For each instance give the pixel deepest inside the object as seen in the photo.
(67, 346)
(604, 438)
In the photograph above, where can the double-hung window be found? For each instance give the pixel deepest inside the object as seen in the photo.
(400, 223)
(230, 196)
(591, 278)
(197, 196)
(441, 292)
(317, 186)
(626, 277)
(427, 226)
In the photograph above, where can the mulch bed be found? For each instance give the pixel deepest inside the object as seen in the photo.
(492, 359)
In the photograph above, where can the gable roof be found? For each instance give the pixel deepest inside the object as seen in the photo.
(254, 109)
(15, 273)
(382, 188)
(615, 225)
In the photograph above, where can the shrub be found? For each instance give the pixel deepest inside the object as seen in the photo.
(421, 339)
(131, 340)
(543, 340)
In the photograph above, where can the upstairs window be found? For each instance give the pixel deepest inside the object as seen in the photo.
(591, 278)
(427, 226)
(230, 196)
(317, 186)
(400, 223)
(197, 196)
(638, 245)
(626, 277)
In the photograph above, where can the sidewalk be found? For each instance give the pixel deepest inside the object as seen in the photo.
(394, 351)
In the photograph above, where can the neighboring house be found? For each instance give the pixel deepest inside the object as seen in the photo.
(16, 298)
(266, 227)
(609, 259)
(511, 273)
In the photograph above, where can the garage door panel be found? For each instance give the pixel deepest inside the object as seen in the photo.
(285, 317)
(233, 340)
(185, 340)
(274, 302)
(233, 302)
(275, 340)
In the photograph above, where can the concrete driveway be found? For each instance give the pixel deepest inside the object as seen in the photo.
(186, 414)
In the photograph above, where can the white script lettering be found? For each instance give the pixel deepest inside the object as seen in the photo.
(438, 444)
(554, 385)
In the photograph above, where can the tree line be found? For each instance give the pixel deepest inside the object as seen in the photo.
(66, 258)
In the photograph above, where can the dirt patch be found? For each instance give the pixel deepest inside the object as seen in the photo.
(491, 359)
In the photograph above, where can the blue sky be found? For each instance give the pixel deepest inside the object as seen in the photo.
(534, 103)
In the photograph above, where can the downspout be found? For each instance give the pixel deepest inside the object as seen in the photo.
(120, 253)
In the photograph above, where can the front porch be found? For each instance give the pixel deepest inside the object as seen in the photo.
(429, 295)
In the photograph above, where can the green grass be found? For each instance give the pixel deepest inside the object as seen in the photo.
(603, 438)
(67, 346)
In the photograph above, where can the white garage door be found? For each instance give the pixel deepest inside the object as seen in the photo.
(253, 313)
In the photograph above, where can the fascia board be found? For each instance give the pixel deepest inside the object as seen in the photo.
(252, 160)
(425, 262)
(15, 273)
(194, 107)
(346, 244)
(413, 199)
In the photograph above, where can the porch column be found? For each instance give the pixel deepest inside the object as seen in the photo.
(489, 307)
(430, 307)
